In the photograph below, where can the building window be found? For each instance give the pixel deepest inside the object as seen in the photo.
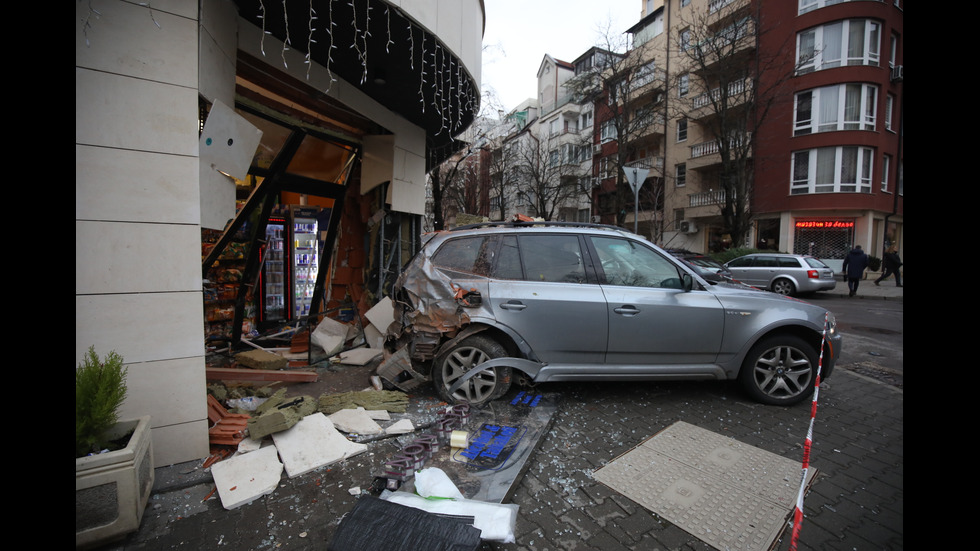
(850, 42)
(886, 162)
(554, 127)
(845, 169)
(683, 85)
(680, 174)
(682, 130)
(833, 108)
(810, 5)
(685, 39)
(893, 56)
(608, 131)
(585, 120)
(678, 218)
(889, 109)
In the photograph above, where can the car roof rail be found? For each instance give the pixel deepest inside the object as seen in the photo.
(533, 223)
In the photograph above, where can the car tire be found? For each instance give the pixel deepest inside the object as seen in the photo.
(780, 370)
(783, 287)
(463, 356)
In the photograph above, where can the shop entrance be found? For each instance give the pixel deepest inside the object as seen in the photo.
(266, 266)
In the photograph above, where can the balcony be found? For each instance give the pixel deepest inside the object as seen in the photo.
(704, 204)
(703, 105)
(707, 154)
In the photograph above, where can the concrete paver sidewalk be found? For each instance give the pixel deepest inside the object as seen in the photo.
(856, 502)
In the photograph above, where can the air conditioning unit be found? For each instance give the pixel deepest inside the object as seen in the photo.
(595, 218)
(898, 73)
(688, 227)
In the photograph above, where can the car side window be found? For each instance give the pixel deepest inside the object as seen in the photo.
(789, 262)
(467, 254)
(556, 258)
(627, 263)
(744, 262)
(508, 259)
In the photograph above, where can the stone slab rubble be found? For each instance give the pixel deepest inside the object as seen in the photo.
(243, 478)
(312, 443)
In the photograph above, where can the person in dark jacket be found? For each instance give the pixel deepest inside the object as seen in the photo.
(891, 263)
(855, 263)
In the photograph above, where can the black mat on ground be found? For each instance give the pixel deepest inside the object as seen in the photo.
(374, 523)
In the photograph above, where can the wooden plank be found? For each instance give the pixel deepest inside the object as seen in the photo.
(233, 374)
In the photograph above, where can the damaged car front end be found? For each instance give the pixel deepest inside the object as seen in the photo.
(439, 314)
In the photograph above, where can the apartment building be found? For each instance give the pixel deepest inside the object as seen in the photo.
(542, 164)
(759, 123)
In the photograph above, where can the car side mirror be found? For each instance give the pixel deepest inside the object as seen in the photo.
(687, 282)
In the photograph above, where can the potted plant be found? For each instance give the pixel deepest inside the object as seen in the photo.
(113, 458)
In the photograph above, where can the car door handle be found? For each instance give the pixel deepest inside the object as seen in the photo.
(513, 306)
(627, 310)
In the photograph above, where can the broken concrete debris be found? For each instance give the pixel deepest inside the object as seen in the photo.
(260, 359)
(277, 418)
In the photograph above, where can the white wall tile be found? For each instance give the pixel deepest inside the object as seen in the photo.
(113, 184)
(122, 257)
(129, 113)
(140, 327)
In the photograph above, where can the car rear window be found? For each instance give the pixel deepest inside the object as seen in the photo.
(815, 263)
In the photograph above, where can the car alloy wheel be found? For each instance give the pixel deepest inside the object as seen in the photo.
(780, 370)
(783, 287)
(461, 358)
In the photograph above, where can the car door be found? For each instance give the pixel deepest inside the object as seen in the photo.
(757, 271)
(652, 320)
(541, 290)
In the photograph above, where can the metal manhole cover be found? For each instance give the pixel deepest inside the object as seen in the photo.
(726, 493)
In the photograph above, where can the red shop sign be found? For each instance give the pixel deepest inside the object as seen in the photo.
(822, 224)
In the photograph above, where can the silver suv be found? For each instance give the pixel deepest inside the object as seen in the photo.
(481, 306)
(786, 274)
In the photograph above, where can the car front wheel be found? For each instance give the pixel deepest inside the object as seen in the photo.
(461, 358)
(780, 370)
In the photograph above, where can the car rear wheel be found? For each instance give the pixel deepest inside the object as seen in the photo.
(783, 287)
(780, 370)
(454, 363)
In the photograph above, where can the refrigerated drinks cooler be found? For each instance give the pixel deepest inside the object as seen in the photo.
(304, 258)
(275, 277)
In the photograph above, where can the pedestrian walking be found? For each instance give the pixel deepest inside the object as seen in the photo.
(854, 265)
(892, 263)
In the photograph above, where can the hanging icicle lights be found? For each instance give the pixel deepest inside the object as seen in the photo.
(443, 83)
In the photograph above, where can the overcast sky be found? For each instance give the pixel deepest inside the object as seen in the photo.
(520, 32)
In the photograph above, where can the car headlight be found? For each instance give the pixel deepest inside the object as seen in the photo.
(831, 324)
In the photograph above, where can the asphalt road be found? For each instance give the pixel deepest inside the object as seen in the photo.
(873, 332)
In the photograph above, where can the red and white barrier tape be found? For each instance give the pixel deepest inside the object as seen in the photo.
(798, 512)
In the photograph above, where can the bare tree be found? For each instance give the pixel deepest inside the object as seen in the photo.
(720, 62)
(547, 173)
(629, 109)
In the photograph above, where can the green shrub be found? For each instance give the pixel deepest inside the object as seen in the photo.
(100, 388)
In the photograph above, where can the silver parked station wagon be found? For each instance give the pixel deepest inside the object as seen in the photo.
(786, 274)
(480, 307)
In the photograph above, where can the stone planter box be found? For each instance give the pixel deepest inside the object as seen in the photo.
(111, 489)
